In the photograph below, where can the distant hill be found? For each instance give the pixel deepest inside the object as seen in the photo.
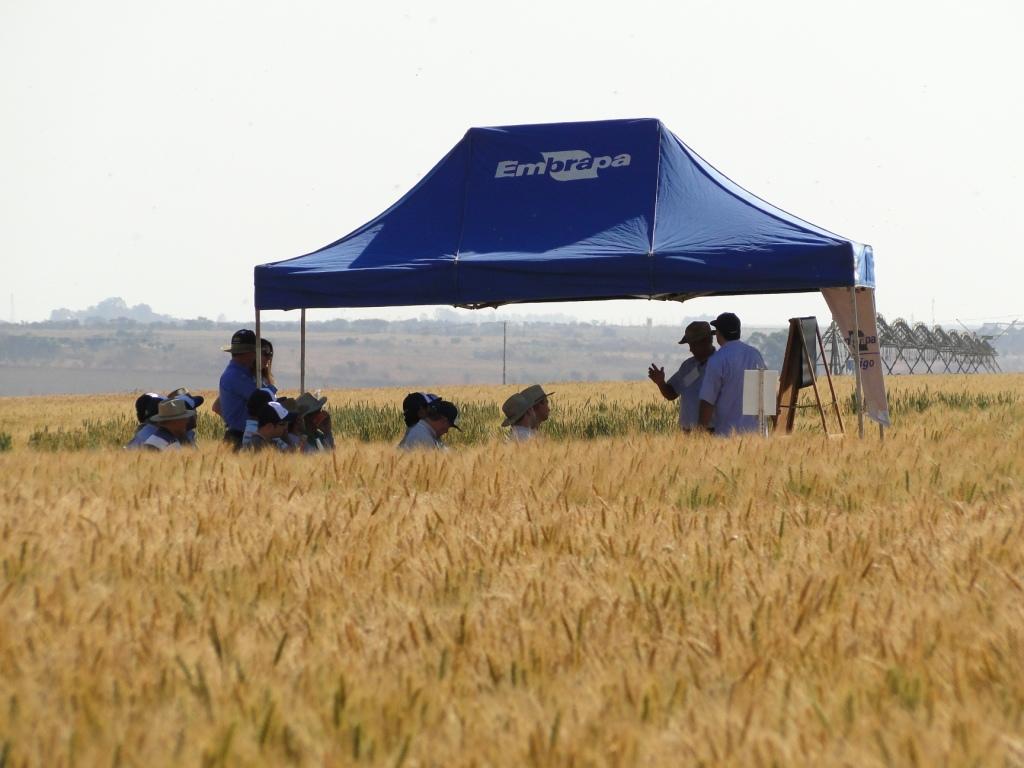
(114, 308)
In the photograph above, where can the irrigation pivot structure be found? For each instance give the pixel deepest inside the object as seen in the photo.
(919, 349)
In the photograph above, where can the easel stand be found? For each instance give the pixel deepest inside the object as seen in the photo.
(799, 371)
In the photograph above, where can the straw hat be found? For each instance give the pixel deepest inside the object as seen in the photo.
(534, 394)
(172, 410)
(515, 408)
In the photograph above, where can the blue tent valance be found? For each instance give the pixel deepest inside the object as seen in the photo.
(565, 212)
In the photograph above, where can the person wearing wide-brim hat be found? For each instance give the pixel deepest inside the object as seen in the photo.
(538, 400)
(171, 420)
(193, 402)
(238, 382)
(685, 383)
(316, 423)
(522, 416)
(439, 417)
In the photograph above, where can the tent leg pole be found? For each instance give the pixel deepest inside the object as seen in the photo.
(855, 343)
(259, 353)
(302, 352)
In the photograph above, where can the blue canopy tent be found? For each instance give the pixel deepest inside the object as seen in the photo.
(567, 212)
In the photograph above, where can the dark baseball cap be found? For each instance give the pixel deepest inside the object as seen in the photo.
(146, 406)
(445, 409)
(242, 341)
(728, 325)
(275, 413)
(194, 400)
(696, 331)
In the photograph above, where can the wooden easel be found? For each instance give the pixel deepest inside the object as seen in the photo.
(798, 371)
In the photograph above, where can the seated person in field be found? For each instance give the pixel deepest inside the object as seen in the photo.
(193, 401)
(253, 406)
(414, 406)
(521, 417)
(316, 423)
(538, 400)
(439, 417)
(272, 426)
(171, 420)
(145, 408)
(295, 438)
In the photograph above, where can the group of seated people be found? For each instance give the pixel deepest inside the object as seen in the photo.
(428, 417)
(299, 424)
(255, 418)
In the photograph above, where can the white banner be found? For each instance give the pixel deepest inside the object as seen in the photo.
(840, 302)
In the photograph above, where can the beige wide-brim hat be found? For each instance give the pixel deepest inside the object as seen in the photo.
(514, 409)
(534, 394)
(172, 410)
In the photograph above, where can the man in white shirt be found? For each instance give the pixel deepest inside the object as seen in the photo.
(440, 416)
(721, 392)
(685, 383)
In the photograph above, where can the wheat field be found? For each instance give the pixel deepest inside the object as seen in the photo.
(642, 598)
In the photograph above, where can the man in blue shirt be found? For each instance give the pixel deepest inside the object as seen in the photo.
(237, 383)
(721, 393)
(685, 383)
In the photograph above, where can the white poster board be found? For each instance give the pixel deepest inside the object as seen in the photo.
(760, 393)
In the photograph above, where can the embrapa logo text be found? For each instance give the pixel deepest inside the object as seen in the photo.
(569, 165)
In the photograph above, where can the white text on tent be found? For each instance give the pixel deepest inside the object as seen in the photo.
(567, 165)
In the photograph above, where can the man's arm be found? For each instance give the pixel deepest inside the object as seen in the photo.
(707, 413)
(657, 375)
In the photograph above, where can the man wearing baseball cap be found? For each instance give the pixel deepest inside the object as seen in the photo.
(685, 383)
(439, 417)
(721, 392)
(274, 420)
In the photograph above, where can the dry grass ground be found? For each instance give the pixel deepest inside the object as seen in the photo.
(639, 600)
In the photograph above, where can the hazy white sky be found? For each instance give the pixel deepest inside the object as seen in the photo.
(158, 151)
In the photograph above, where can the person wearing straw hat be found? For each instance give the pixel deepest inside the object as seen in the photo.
(193, 402)
(520, 417)
(440, 416)
(171, 420)
(685, 383)
(316, 423)
(538, 400)
(238, 382)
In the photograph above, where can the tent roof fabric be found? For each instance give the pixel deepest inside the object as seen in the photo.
(567, 212)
